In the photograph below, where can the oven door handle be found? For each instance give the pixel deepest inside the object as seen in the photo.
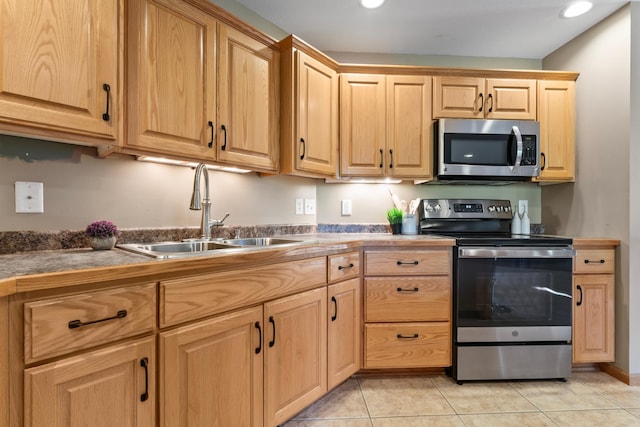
(515, 252)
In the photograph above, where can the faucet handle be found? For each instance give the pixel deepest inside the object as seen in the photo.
(219, 222)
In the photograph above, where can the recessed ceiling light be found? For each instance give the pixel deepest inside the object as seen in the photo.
(371, 4)
(576, 9)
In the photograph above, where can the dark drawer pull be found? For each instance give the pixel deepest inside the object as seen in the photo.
(257, 326)
(580, 300)
(408, 290)
(77, 323)
(407, 262)
(400, 336)
(144, 363)
(601, 261)
(335, 303)
(105, 116)
(273, 323)
(344, 267)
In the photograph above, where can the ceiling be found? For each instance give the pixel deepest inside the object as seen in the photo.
(529, 29)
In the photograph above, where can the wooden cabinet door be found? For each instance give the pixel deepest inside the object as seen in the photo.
(409, 127)
(458, 97)
(295, 339)
(362, 125)
(593, 318)
(556, 114)
(171, 78)
(248, 74)
(114, 386)
(55, 59)
(343, 334)
(317, 117)
(511, 99)
(211, 372)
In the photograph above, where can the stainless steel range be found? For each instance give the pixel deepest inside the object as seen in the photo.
(512, 293)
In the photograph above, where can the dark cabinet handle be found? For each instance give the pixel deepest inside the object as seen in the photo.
(406, 337)
(335, 306)
(391, 156)
(106, 117)
(224, 129)
(481, 102)
(78, 323)
(304, 149)
(408, 290)
(344, 267)
(600, 261)
(407, 262)
(210, 123)
(259, 349)
(490, 102)
(273, 341)
(381, 158)
(544, 161)
(144, 362)
(580, 300)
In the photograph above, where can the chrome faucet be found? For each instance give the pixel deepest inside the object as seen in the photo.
(205, 205)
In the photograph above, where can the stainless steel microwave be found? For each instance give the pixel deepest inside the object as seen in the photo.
(500, 150)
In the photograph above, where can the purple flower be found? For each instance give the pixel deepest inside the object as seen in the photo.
(101, 229)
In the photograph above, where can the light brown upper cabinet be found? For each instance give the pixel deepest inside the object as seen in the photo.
(478, 98)
(171, 99)
(385, 126)
(184, 100)
(61, 67)
(248, 74)
(556, 114)
(309, 115)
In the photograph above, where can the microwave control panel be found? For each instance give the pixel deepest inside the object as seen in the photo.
(529, 152)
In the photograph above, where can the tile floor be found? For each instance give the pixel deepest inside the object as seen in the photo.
(586, 399)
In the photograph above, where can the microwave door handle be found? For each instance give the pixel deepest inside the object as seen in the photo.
(516, 132)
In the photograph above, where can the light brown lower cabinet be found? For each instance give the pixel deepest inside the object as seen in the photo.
(114, 386)
(211, 372)
(343, 331)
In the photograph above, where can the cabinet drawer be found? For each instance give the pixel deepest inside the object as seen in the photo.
(407, 263)
(407, 345)
(60, 325)
(195, 297)
(343, 266)
(594, 261)
(407, 299)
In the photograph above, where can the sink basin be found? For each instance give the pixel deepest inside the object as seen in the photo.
(261, 241)
(176, 249)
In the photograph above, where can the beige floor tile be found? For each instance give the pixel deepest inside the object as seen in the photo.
(362, 422)
(608, 418)
(482, 397)
(345, 401)
(635, 412)
(526, 419)
(616, 391)
(387, 397)
(558, 396)
(428, 421)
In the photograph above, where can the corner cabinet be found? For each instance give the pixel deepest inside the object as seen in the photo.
(61, 65)
(385, 126)
(309, 113)
(594, 305)
(478, 98)
(556, 114)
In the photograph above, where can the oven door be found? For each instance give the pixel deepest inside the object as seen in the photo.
(516, 294)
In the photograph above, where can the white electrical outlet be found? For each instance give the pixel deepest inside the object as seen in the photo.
(523, 206)
(29, 197)
(345, 207)
(299, 207)
(309, 206)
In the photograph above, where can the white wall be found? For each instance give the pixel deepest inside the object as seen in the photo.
(601, 203)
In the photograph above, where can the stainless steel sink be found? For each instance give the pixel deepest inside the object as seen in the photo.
(177, 249)
(261, 241)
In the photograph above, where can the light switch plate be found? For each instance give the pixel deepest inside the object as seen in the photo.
(29, 197)
(345, 207)
(309, 206)
(523, 206)
(299, 206)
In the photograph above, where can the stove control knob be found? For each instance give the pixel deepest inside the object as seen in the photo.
(429, 208)
(507, 208)
(492, 208)
(437, 208)
(498, 208)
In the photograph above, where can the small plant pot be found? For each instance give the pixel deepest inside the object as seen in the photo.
(102, 243)
(396, 228)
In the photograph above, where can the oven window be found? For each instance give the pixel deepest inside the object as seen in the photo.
(513, 292)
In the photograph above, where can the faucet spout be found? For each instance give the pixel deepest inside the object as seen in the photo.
(205, 204)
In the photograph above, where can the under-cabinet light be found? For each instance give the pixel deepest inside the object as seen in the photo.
(371, 4)
(362, 181)
(166, 161)
(576, 9)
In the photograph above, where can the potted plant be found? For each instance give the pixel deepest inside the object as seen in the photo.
(394, 216)
(102, 234)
